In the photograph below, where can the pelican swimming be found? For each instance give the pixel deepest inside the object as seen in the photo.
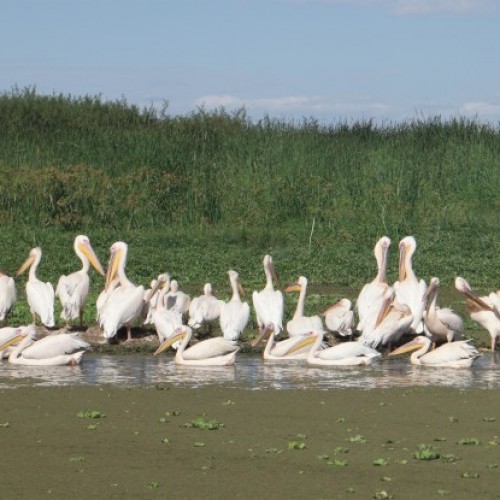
(6, 334)
(73, 289)
(287, 349)
(40, 295)
(124, 303)
(300, 324)
(234, 315)
(440, 323)
(482, 310)
(204, 308)
(371, 296)
(343, 354)
(339, 318)
(459, 354)
(268, 303)
(8, 295)
(409, 289)
(216, 351)
(60, 349)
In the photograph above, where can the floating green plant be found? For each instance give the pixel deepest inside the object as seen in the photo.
(296, 445)
(202, 423)
(90, 414)
(380, 462)
(426, 452)
(469, 442)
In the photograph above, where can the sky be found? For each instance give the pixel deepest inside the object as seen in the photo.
(389, 61)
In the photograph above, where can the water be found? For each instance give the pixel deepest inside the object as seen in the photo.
(250, 372)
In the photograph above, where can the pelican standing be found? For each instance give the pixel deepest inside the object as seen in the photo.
(216, 351)
(204, 308)
(40, 295)
(343, 354)
(409, 289)
(459, 354)
(482, 310)
(176, 299)
(73, 289)
(8, 295)
(124, 304)
(234, 315)
(440, 323)
(300, 324)
(268, 303)
(371, 296)
(61, 349)
(339, 318)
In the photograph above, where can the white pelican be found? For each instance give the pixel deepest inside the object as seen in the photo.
(176, 299)
(6, 334)
(343, 354)
(204, 308)
(60, 349)
(371, 296)
(40, 295)
(234, 315)
(284, 349)
(393, 320)
(268, 303)
(8, 295)
(440, 323)
(166, 321)
(409, 289)
(482, 310)
(216, 351)
(459, 354)
(124, 304)
(339, 318)
(73, 289)
(300, 324)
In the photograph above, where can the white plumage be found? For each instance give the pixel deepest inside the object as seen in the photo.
(339, 318)
(234, 315)
(8, 295)
(204, 308)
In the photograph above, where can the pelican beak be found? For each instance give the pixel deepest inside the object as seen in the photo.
(414, 344)
(478, 301)
(113, 267)
(262, 337)
(88, 251)
(168, 342)
(27, 263)
(159, 284)
(384, 311)
(241, 289)
(308, 340)
(293, 287)
(13, 340)
(275, 276)
(402, 257)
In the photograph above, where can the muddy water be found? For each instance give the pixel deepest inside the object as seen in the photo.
(250, 372)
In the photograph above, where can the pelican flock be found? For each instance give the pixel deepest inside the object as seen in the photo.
(357, 332)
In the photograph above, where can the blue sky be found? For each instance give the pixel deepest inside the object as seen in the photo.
(335, 60)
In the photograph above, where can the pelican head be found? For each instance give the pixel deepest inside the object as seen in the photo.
(34, 255)
(297, 286)
(180, 334)
(268, 264)
(407, 247)
(82, 246)
(234, 278)
(343, 304)
(462, 286)
(118, 255)
(414, 344)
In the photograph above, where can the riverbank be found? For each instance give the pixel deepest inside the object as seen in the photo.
(160, 441)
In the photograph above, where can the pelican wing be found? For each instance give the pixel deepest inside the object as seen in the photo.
(7, 295)
(451, 352)
(340, 321)
(347, 350)
(269, 307)
(234, 316)
(166, 322)
(41, 300)
(450, 319)
(303, 325)
(55, 345)
(73, 291)
(210, 348)
(369, 302)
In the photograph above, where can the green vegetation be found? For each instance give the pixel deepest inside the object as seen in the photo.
(196, 195)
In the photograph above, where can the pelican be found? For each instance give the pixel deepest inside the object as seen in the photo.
(482, 310)
(285, 349)
(268, 303)
(300, 324)
(459, 354)
(409, 289)
(343, 354)
(166, 321)
(440, 323)
(371, 296)
(234, 315)
(393, 320)
(61, 349)
(40, 295)
(73, 289)
(203, 309)
(216, 351)
(124, 303)
(176, 299)
(6, 334)
(8, 295)
(340, 318)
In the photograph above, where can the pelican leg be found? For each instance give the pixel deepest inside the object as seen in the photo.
(493, 343)
(129, 334)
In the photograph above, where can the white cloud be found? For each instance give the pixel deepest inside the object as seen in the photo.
(480, 108)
